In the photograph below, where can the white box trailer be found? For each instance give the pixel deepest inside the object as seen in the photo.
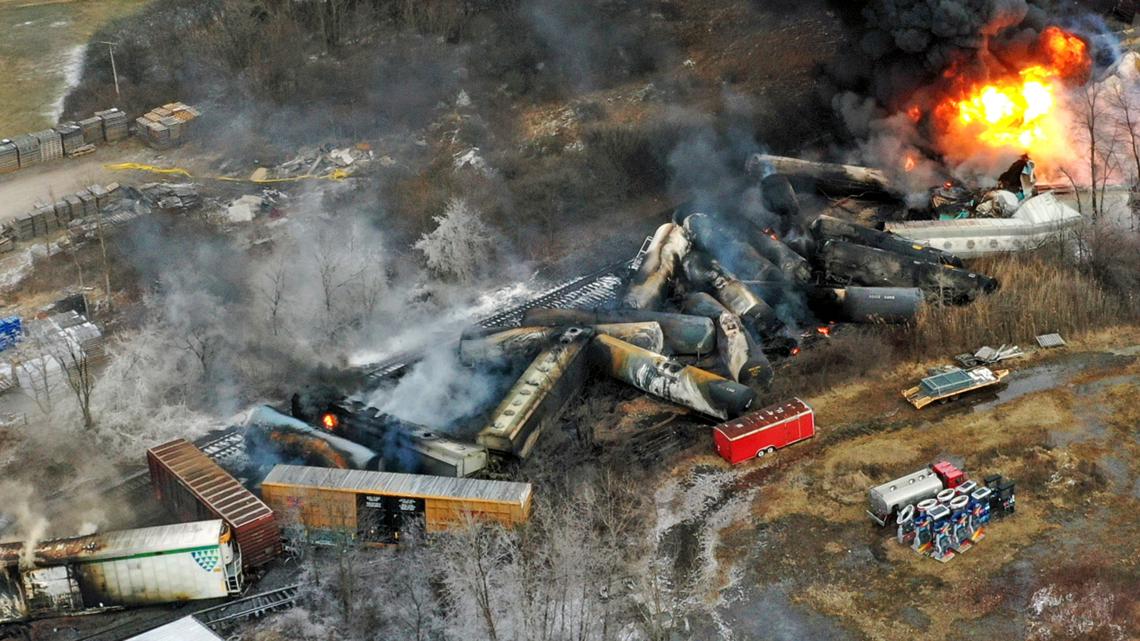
(145, 566)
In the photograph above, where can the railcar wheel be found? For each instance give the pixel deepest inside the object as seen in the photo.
(771, 450)
(761, 453)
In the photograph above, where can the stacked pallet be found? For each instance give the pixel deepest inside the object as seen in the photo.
(165, 126)
(70, 136)
(51, 146)
(92, 129)
(115, 124)
(9, 156)
(46, 218)
(28, 150)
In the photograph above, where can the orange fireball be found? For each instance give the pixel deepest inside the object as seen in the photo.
(1020, 112)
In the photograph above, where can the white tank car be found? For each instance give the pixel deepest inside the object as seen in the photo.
(145, 566)
(890, 497)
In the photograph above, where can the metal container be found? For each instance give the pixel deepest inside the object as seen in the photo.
(888, 498)
(328, 505)
(649, 286)
(867, 304)
(145, 566)
(685, 385)
(848, 263)
(763, 431)
(729, 248)
(646, 335)
(192, 486)
(740, 352)
(827, 228)
(479, 345)
(538, 397)
(737, 297)
(684, 334)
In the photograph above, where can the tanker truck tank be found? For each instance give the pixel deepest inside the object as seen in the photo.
(656, 374)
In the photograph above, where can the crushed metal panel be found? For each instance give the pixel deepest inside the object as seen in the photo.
(1050, 340)
(184, 629)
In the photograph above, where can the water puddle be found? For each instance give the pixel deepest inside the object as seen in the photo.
(1029, 381)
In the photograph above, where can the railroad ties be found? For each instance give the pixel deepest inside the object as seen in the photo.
(250, 607)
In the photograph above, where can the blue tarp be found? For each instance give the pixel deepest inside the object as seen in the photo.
(11, 331)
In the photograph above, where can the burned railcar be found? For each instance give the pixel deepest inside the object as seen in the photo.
(145, 566)
(536, 400)
(325, 505)
(406, 446)
(192, 486)
(851, 264)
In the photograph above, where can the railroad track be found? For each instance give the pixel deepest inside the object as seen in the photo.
(585, 292)
(217, 617)
(250, 607)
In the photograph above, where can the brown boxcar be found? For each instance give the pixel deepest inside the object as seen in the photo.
(375, 507)
(194, 487)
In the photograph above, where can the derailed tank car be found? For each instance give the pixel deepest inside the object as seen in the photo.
(192, 486)
(537, 399)
(145, 566)
(327, 505)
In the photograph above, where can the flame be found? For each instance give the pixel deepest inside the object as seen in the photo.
(909, 163)
(824, 330)
(329, 421)
(1019, 112)
(771, 233)
(795, 351)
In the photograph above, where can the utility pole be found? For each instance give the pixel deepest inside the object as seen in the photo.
(114, 72)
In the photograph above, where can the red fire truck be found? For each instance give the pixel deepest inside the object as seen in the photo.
(764, 431)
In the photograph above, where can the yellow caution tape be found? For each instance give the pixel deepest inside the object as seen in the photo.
(336, 174)
(122, 166)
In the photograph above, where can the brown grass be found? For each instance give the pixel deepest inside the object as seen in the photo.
(1038, 295)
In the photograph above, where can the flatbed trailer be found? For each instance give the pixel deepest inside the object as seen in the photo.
(950, 385)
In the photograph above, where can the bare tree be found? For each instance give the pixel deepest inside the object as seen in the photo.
(203, 343)
(272, 291)
(80, 377)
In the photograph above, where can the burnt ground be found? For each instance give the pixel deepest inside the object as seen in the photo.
(781, 549)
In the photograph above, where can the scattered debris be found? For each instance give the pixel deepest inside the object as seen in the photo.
(472, 159)
(1050, 340)
(1036, 221)
(171, 197)
(988, 356)
(244, 209)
